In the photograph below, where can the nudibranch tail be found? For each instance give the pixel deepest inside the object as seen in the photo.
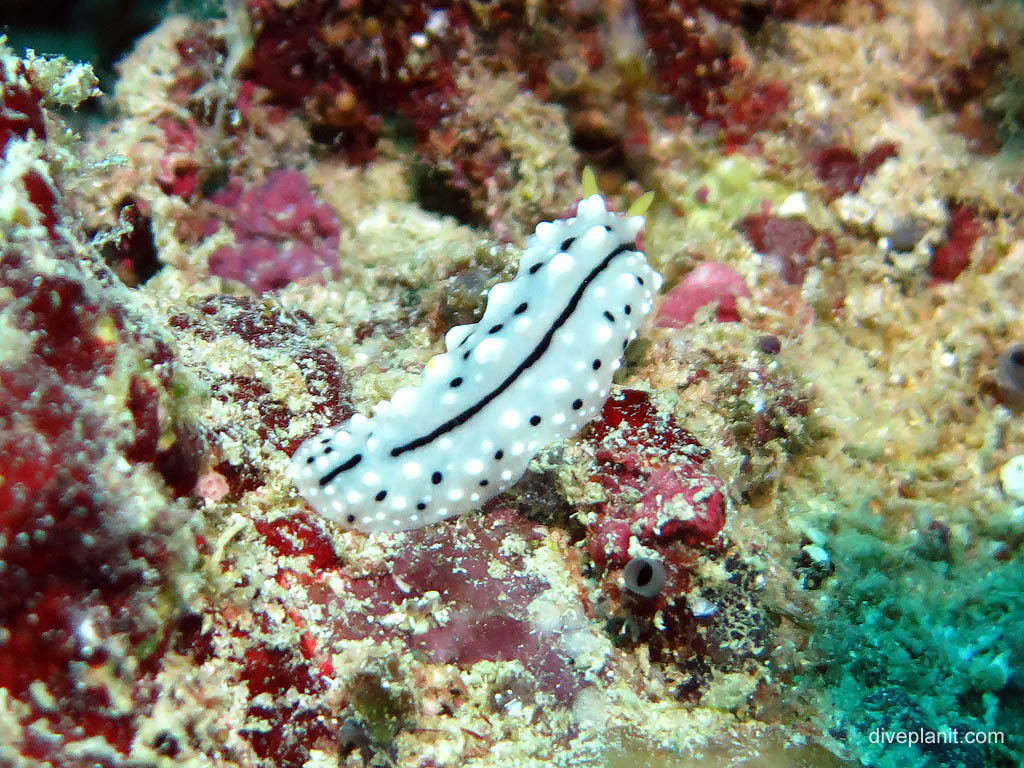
(534, 370)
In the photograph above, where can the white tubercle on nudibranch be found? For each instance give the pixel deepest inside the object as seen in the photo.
(534, 370)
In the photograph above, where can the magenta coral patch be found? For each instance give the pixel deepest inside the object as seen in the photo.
(708, 282)
(659, 487)
(282, 232)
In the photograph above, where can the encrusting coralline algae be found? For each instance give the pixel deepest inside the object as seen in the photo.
(793, 520)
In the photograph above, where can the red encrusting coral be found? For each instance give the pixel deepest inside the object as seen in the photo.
(438, 595)
(266, 333)
(754, 106)
(843, 171)
(486, 615)
(349, 65)
(663, 494)
(488, 611)
(21, 113)
(954, 255)
(968, 84)
(690, 64)
(300, 535)
(21, 117)
(89, 460)
(283, 731)
(659, 487)
(79, 571)
(792, 245)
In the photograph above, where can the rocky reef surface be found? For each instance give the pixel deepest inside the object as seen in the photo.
(797, 522)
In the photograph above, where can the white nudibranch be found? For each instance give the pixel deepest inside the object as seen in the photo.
(503, 390)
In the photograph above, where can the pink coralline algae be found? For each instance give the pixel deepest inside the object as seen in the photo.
(709, 282)
(282, 232)
(659, 487)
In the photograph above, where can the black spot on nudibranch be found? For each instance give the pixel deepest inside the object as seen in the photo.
(436, 478)
(520, 309)
(328, 449)
(534, 420)
(311, 459)
(381, 496)
(627, 309)
(567, 243)
(639, 279)
(534, 269)
(499, 455)
(484, 483)
(456, 382)
(496, 328)
(421, 506)
(596, 365)
(350, 518)
(577, 404)
(466, 354)
(609, 316)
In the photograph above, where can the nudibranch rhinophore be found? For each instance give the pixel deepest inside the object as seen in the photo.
(534, 370)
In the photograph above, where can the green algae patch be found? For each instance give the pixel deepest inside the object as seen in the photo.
(919, 637)
(731, 189)
(383, 707)
(698, 222)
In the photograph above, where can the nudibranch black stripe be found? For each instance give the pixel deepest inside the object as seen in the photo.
(350, 464)
(532, 358)
(532, 371)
